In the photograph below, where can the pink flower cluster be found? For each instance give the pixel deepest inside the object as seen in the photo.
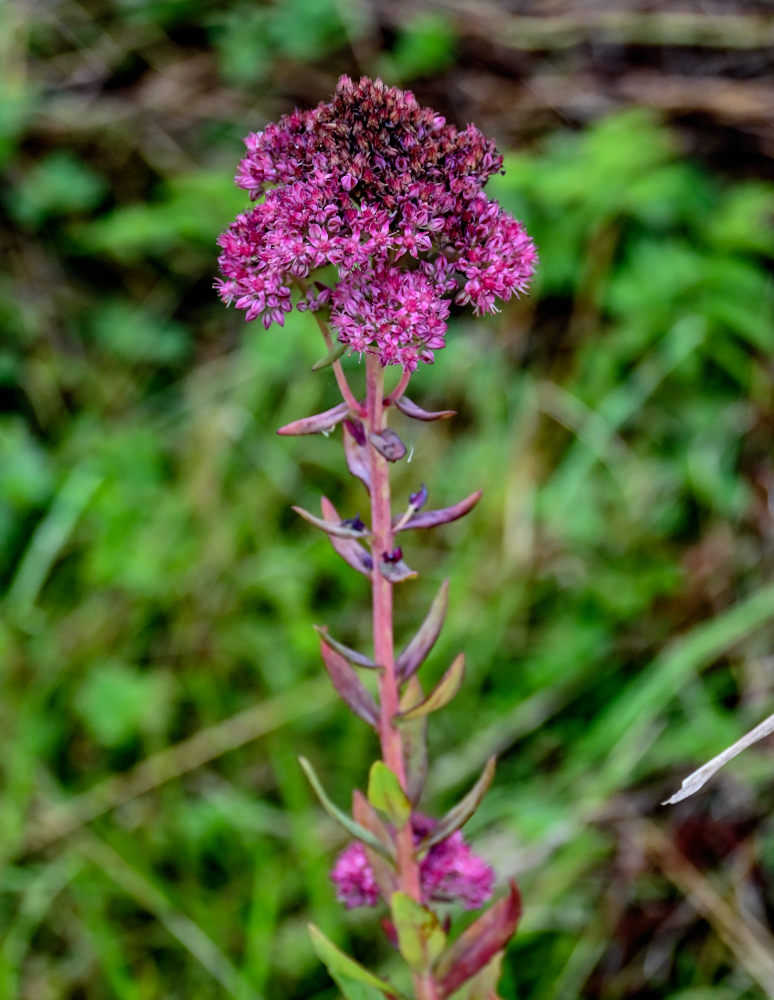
(449, 872)
(384, 199)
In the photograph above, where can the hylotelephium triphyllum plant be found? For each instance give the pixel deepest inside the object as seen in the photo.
(371, 214)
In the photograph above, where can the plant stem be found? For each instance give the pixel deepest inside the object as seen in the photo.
(389, 734)
(338, 371)
(400, 388)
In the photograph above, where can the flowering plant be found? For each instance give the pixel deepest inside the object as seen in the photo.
(371, 214)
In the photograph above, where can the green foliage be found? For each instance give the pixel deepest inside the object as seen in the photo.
(386, 795)
(421, 939)
(249, 38)
(425, 44)
(59, 185)
(118, 702)
(355, 982)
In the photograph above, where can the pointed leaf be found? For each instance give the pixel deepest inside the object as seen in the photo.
(443, 692)
(418, 500)
(432, 518)
(396, 572)
(420, 937)
(348, 973)
(405, 405)
(356, 451)
(319, 423)
(355, 829)
(365, 814)
(340, 529)
(388, 444)
(479, 944)
(349, 685)
(333, 355)
(483, 986)
(357, 659)
(414, 733)
(351, 551)
(386, 795)
(458, 816)
(417, 650)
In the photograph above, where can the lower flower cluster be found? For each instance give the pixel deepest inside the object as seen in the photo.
(449, 873)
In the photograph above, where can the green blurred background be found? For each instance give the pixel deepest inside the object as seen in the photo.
(612, 591)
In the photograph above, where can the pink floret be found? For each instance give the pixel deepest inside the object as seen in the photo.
(353, 878)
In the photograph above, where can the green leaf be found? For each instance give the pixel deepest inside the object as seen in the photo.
(446, 688)
(358, 832)
(386, 795)
(457, 817)
(354, 981)
(420, 937)
(333, 355)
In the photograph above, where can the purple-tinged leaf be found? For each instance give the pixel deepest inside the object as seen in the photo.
(351, 551)
(443, 692)
(388, 444)
(395, 572)
(353, 829)
(357, 429)
(355, 658)
(356, 451)
(386, 795)
(365, 814)
(319, 423)
(418, 500)
(405, 405)
(432, 518)
(341, 529)
(420, 937)
(483, 986)
(458, 816)
(349, 685)
(417, 650)
(333, 355)
(414, 733)
(478, 945)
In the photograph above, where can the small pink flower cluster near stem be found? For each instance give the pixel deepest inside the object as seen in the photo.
(449, 872)
(387, 197)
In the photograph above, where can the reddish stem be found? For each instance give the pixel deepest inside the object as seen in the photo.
(400, 388)
(389, 733)
(338, 371)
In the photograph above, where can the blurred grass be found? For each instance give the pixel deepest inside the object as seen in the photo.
(159, 670)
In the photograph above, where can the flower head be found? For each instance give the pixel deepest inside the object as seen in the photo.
(449, 872)
(388, 197)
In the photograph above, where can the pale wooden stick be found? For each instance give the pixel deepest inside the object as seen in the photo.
(695, 781)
